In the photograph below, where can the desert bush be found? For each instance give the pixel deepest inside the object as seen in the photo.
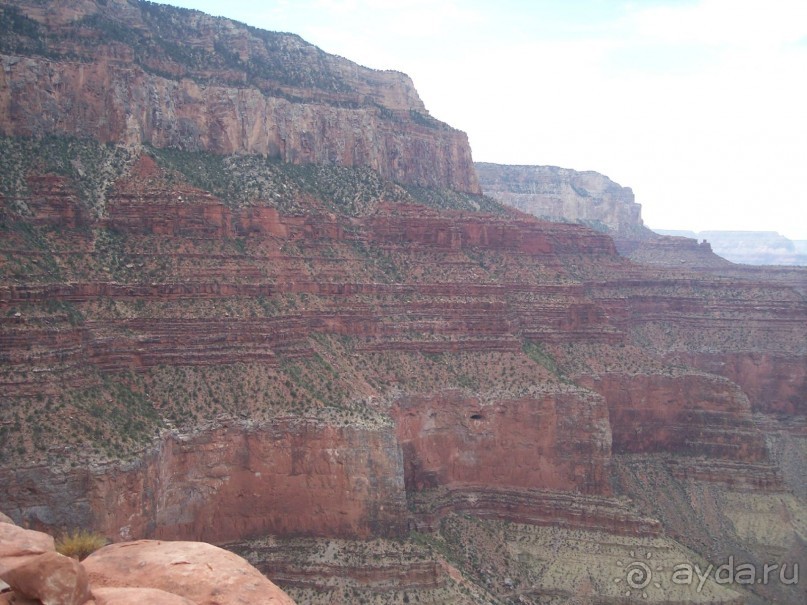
(80, 543)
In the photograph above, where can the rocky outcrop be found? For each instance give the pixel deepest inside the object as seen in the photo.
(590, 198)
(671, 251)
(147, 73)
(441, 342)
(293, 477)
(763, 352)
(337, 571)
(774, 383)
(562, 194)
(199, 572)
(49, 578)
(135, 596)
(19, 542)
(721, 518)
(162, 573)
(554, 508)
(314, 310)
(451, 440)
(689, 414)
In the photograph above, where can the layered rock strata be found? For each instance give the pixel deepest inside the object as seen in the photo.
(325, 369)
(221, 347)
(590, 198)
(144, 72)
(565, 195)
(751, 247)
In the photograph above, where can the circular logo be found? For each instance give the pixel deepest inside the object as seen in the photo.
(638, 575)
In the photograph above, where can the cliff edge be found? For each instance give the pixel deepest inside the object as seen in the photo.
(562, 194)
(132, 72)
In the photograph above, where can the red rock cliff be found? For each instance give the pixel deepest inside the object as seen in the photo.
(135, 72)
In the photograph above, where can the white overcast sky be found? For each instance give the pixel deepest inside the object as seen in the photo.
(699, 105)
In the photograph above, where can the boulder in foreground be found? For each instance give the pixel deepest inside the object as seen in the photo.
(200, 572)
(137, 596)
(50, 578)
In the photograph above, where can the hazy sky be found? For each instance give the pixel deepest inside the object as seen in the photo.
(699, 105)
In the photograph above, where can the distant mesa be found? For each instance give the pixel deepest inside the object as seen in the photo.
(592, 199)
(565, 195)
(750, 247)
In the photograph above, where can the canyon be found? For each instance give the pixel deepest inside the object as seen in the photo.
(325, 349)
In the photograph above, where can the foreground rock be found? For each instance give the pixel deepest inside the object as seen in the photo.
(197, 571)
(35, 572)
(158, 573)
(51, 578)
(137, 596)
(18, 542)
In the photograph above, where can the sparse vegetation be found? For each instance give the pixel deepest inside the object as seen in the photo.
(80, 543)
(536, 351)
(448, 199)
(136, 312)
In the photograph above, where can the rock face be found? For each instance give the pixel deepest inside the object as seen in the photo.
(298, 368)
(234, 482)
(136, 596)
(452, 440)
(290, 477)
(692, 418)
(562, 194)
(19, 542)
(147, 73)
(250, 349)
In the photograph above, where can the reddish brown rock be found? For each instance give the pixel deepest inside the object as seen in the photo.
(132, 278)
(301, 105)
(16, 542)
(51, 578)
(11, 598)
(775, 383)
(689, 414)
(451, 439)
(137, 596)
(202, 573)
(288, 478)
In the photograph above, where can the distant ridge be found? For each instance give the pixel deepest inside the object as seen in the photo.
(750, 247)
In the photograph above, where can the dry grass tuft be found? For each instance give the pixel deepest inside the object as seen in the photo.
(80, 543)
